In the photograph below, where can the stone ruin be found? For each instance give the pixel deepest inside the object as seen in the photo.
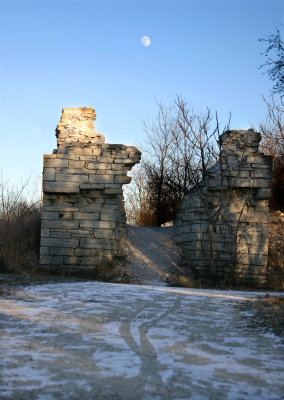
(83, 216)
(222, 226)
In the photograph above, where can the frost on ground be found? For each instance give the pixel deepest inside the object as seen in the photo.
(92, 340)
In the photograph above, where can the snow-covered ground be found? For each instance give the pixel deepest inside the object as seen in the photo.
(92, 340)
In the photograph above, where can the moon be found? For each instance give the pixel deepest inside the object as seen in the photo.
(146, 41)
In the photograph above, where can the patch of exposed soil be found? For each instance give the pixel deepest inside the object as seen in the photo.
(152, 255)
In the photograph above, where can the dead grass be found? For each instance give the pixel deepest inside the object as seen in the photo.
(268, 313)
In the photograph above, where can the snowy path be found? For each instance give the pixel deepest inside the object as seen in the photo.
(93, 340)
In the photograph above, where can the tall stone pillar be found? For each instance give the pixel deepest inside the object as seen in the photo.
(223, 223)
(83, 216)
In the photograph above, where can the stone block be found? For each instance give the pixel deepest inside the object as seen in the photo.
(87, 158)
(60, 224)
(61, 187)
(45, 259)
(128, 162)
(90, 207)
(111, 207)
(258, 159)
(82, 252)
(88, 261)
(72, 178)
(55, 163)
(262, 183)
(258, 259)
(104, 234)
(71, 171)
(99, 166)
(113, 191)
(113, 186)
(97, 224)
(111, 216)
(101, 179)
(105, 159)
(49, 174)
(59, 233)
(92, 186)
(48, 156)
(115, 172)
(88, 216)
(62, 206)
(79, 233)
(61, 251)
(50, 215)
(258, 269)
(88, 243)
(262, 194)
(69, 157)
(97, 151)
(81, 151)
(45, 232)
(95, 245)
(77, 164)
(44, 250)
(105, 244)
(118, 167)
(59, 242)
(66, 214)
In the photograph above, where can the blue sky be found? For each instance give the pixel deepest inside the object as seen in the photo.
(68, 53)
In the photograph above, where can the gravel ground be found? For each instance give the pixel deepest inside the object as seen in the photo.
(93, 340)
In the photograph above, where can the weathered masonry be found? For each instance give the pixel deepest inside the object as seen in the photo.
(222, 226)
(83, 217)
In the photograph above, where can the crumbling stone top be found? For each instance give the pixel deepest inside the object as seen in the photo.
(238, 140)
(77, 126)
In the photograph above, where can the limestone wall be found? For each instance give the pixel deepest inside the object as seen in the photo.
(222, 226)
(83, 217)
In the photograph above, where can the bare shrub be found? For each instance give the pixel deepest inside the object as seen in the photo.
(19, 229)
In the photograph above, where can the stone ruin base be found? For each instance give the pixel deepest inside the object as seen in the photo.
(83, 217)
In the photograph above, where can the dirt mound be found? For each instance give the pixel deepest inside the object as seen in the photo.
(152, 255)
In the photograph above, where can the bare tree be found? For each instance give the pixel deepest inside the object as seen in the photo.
(179, 147)
(272, 144)
(137, 199)
(199, 142)
(274, 64)
(160, 163)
